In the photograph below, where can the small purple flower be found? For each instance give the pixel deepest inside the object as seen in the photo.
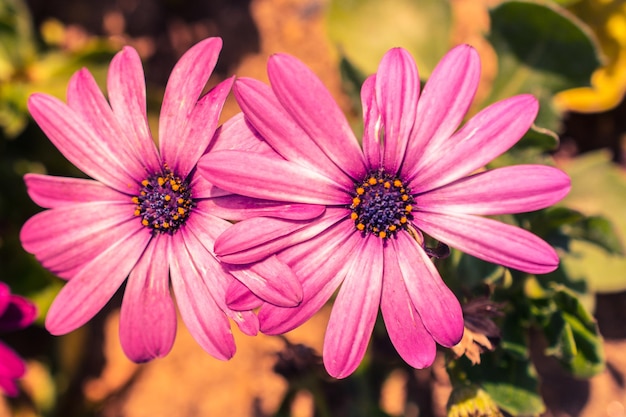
(145, 215)
(15, 313)
(415, 173)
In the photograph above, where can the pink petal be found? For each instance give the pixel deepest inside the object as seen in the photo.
(310, 104)
(236, 134)
(11, 365)
(86, 99)
(201, 127)
(372, 124)
(280, 180)
(127, 94)
(490, 240)
(236, 207)
(444, 102)
(86, 293)
(254, 239)
(186, 82)
(80, 144)
(437, 306)
(405, 328)
(50, 192)
(239, 297)
(321, 263)
(484, 137)
(276, 126)
(397, 93)
(512, 189)
(5, 297)
(18, 314)
(354, 311)
(69, 237)
(147, 301)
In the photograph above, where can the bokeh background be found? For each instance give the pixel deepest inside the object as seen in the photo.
(85, 373)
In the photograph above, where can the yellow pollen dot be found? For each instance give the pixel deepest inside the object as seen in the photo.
(144, 222)
(354, 216)
(180, 200)
(175, 217)
(404, 197)
(409, 208)
(166, 225)
(143, 193)
(167, 197)
(137, 212)
(375, 229)
(360, 226)
(181, 211)
(382, 234)
(356, 201)
(175, 186)
(135, 200)
(402, 190)
(403, 220)
(397, 183)
(372, 181)
(161, 181)
(387, 184)
(380, 180)
(392, 227)
(145, 183)
(360, 191)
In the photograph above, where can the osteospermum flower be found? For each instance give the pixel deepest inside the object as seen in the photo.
(410, 176)
(145, 215)
(15, 313)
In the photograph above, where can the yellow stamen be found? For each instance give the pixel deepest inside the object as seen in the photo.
(137, 212)
(392, 227)
(403, 220)
(372, 181)
(404, 197)
(360, 226)
(167, 197)
(382, 234)
(175, 185)
(161, 181)
(166, 225)
(135, 200)
(180, 200)
(387, 184)
(397, 183)
(356, 201)
(360, 191)
(145, 183)
(408, 208)
(354, 216)
(181, 211)
(144, 222)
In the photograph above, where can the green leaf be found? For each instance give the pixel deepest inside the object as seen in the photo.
(365, 29)
(598, 191)
(542, 49)
(539, 138)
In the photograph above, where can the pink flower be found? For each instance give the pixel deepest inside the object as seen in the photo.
(15, 313)
(411, 176)
(146, 215)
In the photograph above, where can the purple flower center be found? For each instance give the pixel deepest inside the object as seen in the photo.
(381, 205)
(164, 202)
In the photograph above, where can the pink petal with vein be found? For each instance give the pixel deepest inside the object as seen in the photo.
(372, 124)
(86, 293)
(405, 328)
(310, 104)
(354, 311)
(437, 306)
(490, 240)
(511, 189)
(236, 207)
(239, 297)
(148, 315)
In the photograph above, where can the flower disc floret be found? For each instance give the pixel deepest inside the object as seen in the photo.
(381, 205)
(164, 202)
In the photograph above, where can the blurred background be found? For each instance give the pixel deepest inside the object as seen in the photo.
(570, 54)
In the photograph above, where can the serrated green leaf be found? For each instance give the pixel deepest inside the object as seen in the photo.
(364, 30)
(541, 50)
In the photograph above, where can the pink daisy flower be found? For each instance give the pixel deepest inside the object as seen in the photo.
(415, 173)
(145, 215)
(15, 313)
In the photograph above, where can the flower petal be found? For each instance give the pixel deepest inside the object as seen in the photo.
(405, 328)
(397, 94)
(49, 192)
(86, 99)
(490, 240)
(372, 124)
(254, 239)
(127, 94)
(236, 207)
(354, 311)
(200, 127)
(507, 190)
(186, 82)
(310, 104)
(86, 293)
(147, 301)
(87, 230)
(11, 368)
(78, 142)
(444, 102)
(18, 314)
(484, 137)
(276, 126)
(239, 297)
(237, 134)
(321, 263)
(280, 180)
(437, 306)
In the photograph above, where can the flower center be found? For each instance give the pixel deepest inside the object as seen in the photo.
(381, 205)
(164, 202)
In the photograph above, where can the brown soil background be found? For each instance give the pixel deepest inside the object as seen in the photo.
(188, 382)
